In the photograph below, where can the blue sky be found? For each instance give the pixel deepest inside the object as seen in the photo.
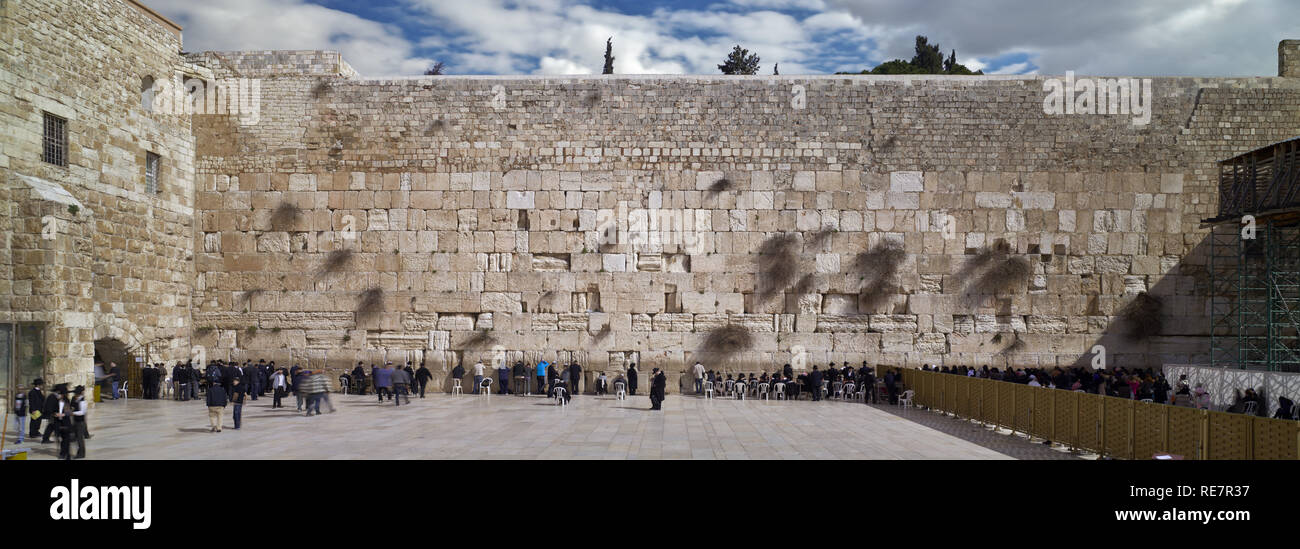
(1102, 37)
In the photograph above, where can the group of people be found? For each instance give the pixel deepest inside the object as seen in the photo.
(1136, 384)
(810, 382)
(388, 381)
(229, 384)
(64, 416)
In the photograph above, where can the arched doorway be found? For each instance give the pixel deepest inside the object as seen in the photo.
(112, 350)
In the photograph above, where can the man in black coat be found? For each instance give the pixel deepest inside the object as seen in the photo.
(658, 383)
(891, 387)
(35, 402)
(457, 373)
(422, 377)
(631, 379)
(359, 379)
(147, 381)
(49, 409)
(228, 375)
(787, 371)
(181, 379)
(575, 377)
(815, 383)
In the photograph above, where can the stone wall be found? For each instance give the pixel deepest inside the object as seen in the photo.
(899, 220)
(121, 265)
(1288, 58)
(475, 207)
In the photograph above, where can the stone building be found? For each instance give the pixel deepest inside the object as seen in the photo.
(746, 221)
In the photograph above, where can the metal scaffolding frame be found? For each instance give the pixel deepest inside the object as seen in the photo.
(1255, 262)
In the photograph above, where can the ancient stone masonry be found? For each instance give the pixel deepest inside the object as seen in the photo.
(745, 221)
(911, 219)
(89, 251)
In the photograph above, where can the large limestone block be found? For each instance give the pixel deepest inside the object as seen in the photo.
(906, 181)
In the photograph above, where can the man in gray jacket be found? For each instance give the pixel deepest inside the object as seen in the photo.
(401, 380)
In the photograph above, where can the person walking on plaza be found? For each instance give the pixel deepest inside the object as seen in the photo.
(422, 378)
(238, 391)
(317, 387)
(278, 387)
(478, 376)
(401, 380)
(699, 377)
(79, 432)
(658, 383)
(20, 412)
(216, 405)
(298, 377)
(384, 382)
(632, 379)
(56, 399)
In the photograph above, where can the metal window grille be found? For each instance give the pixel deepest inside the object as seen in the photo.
(56, 140)
(151, 161)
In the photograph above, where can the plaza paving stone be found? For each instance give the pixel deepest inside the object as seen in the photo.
(501, 426)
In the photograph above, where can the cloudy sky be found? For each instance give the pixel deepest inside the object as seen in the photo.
(1100, 37)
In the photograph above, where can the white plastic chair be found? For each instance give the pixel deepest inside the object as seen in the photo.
(619, 393)
(708, 389)
(849, 391)
(455, 387)
(728, 387)
(779, 392)
(837, 389)
(167, 390)
(121, 391)
(1249, 408)
(905, 399)
(559, 395)
(763, 391)
(485, 388)
(823, 388)
(739, 392)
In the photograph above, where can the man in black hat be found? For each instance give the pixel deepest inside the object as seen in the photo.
(60, 419)
(36, 407)
(52, 407)
(658, 382)
(78, 423)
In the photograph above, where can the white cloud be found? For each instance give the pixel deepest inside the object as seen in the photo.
(1103, 37)
(566, 35)
(372, 48)
(1014, 68)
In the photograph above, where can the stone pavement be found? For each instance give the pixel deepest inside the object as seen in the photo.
(470, 427)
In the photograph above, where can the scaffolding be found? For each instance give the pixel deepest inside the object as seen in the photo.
(1255, 261)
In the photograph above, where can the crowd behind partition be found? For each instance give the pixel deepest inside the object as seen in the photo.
(1137, 384)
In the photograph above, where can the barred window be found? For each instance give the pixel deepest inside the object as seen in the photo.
(151, 162)
(56, 140)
